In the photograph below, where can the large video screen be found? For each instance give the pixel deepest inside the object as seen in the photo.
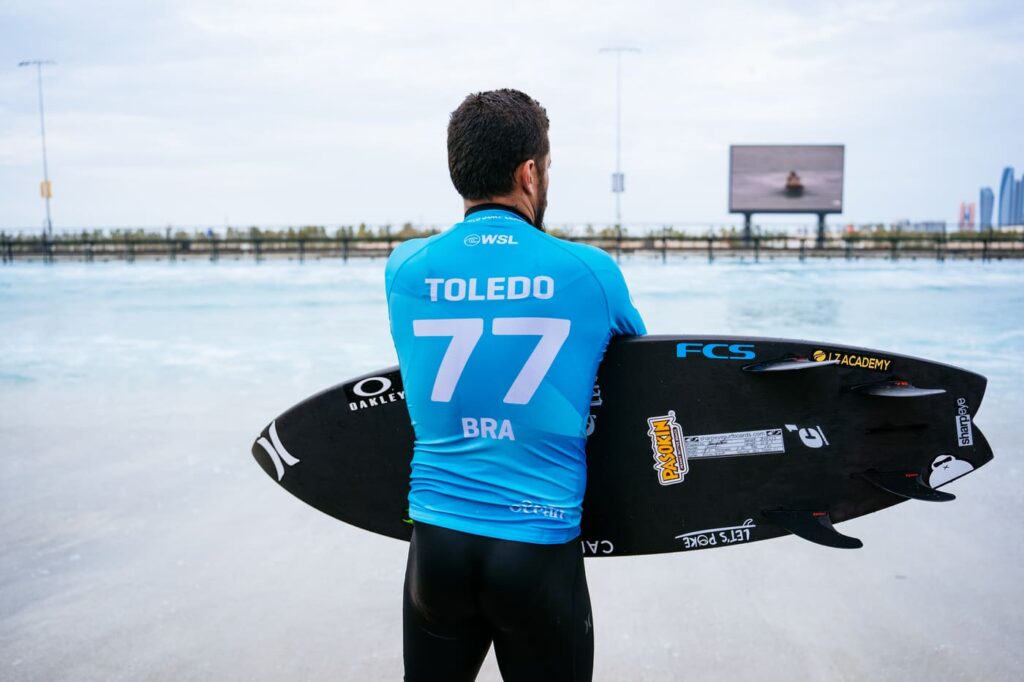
(786, 179)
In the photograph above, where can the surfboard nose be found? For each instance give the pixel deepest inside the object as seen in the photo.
(271, 454)
(262, 457)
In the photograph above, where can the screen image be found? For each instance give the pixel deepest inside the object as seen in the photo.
(786, 178)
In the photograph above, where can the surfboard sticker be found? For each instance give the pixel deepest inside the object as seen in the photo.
(948, 468)
(870, 362)
(276, 451)
(736, 444)
(964, 432)
(372, 392)
(667, 447)
(711, 537)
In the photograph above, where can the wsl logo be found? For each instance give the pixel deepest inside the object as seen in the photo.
(486, 239)
(277, 452)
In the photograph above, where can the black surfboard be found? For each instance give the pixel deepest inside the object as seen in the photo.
(694, 443)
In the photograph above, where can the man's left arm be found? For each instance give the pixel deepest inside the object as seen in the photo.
(624, 317)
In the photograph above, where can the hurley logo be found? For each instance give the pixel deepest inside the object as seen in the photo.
(276, 451)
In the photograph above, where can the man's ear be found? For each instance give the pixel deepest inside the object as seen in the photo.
(527, 177)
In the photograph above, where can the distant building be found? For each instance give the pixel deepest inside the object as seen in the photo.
(1018, 193)
(929, 226)
(965, 221)
(1007, 198)
(987, 200)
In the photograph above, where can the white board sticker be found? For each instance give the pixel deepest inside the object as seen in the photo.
(946, 468)
(735, 444)
(964, 431)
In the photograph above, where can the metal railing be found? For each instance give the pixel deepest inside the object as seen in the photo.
(982, 246)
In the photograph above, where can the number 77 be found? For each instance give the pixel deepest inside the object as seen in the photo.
(466, 333)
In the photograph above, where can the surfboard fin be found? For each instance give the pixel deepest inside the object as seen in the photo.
(895, 388)
(787, 364)
(905, 484)
(815, 526)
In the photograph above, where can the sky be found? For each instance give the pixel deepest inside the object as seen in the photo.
(272, 113)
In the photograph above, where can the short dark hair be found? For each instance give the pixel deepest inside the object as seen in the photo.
(489, 136)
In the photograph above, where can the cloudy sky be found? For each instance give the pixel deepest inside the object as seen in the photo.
(276, 112)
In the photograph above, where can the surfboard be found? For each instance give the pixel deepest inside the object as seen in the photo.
(693, 443)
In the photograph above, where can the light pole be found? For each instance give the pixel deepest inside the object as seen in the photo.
(44, 188)
(618, 179)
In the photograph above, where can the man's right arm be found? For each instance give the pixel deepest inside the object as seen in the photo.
(396, 260)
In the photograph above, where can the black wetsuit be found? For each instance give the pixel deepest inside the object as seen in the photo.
(463, 592)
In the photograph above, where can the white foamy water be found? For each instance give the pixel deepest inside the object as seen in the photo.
(140, 541)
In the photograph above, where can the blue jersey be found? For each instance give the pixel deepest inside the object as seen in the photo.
(499, 329)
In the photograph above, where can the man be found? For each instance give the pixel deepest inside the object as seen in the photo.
(499, 329)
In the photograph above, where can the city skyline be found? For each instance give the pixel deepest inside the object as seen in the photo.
(307, 113)
(1011, 199)
(986, 202)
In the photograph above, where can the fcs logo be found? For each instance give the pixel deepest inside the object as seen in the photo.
(276, 451)
(500, 239)
(716, 351)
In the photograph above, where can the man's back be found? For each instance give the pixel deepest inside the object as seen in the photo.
(499, 330)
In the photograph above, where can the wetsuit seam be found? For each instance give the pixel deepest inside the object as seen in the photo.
(441, 237)
(402, 265)
(604, 294)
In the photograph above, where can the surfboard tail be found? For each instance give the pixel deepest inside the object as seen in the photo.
(814, 526)
(908, 484)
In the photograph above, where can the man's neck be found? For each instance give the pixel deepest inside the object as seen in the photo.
(476, 208)
(518, 205)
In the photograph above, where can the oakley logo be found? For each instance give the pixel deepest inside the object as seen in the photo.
(372, 386)
(275, 449)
